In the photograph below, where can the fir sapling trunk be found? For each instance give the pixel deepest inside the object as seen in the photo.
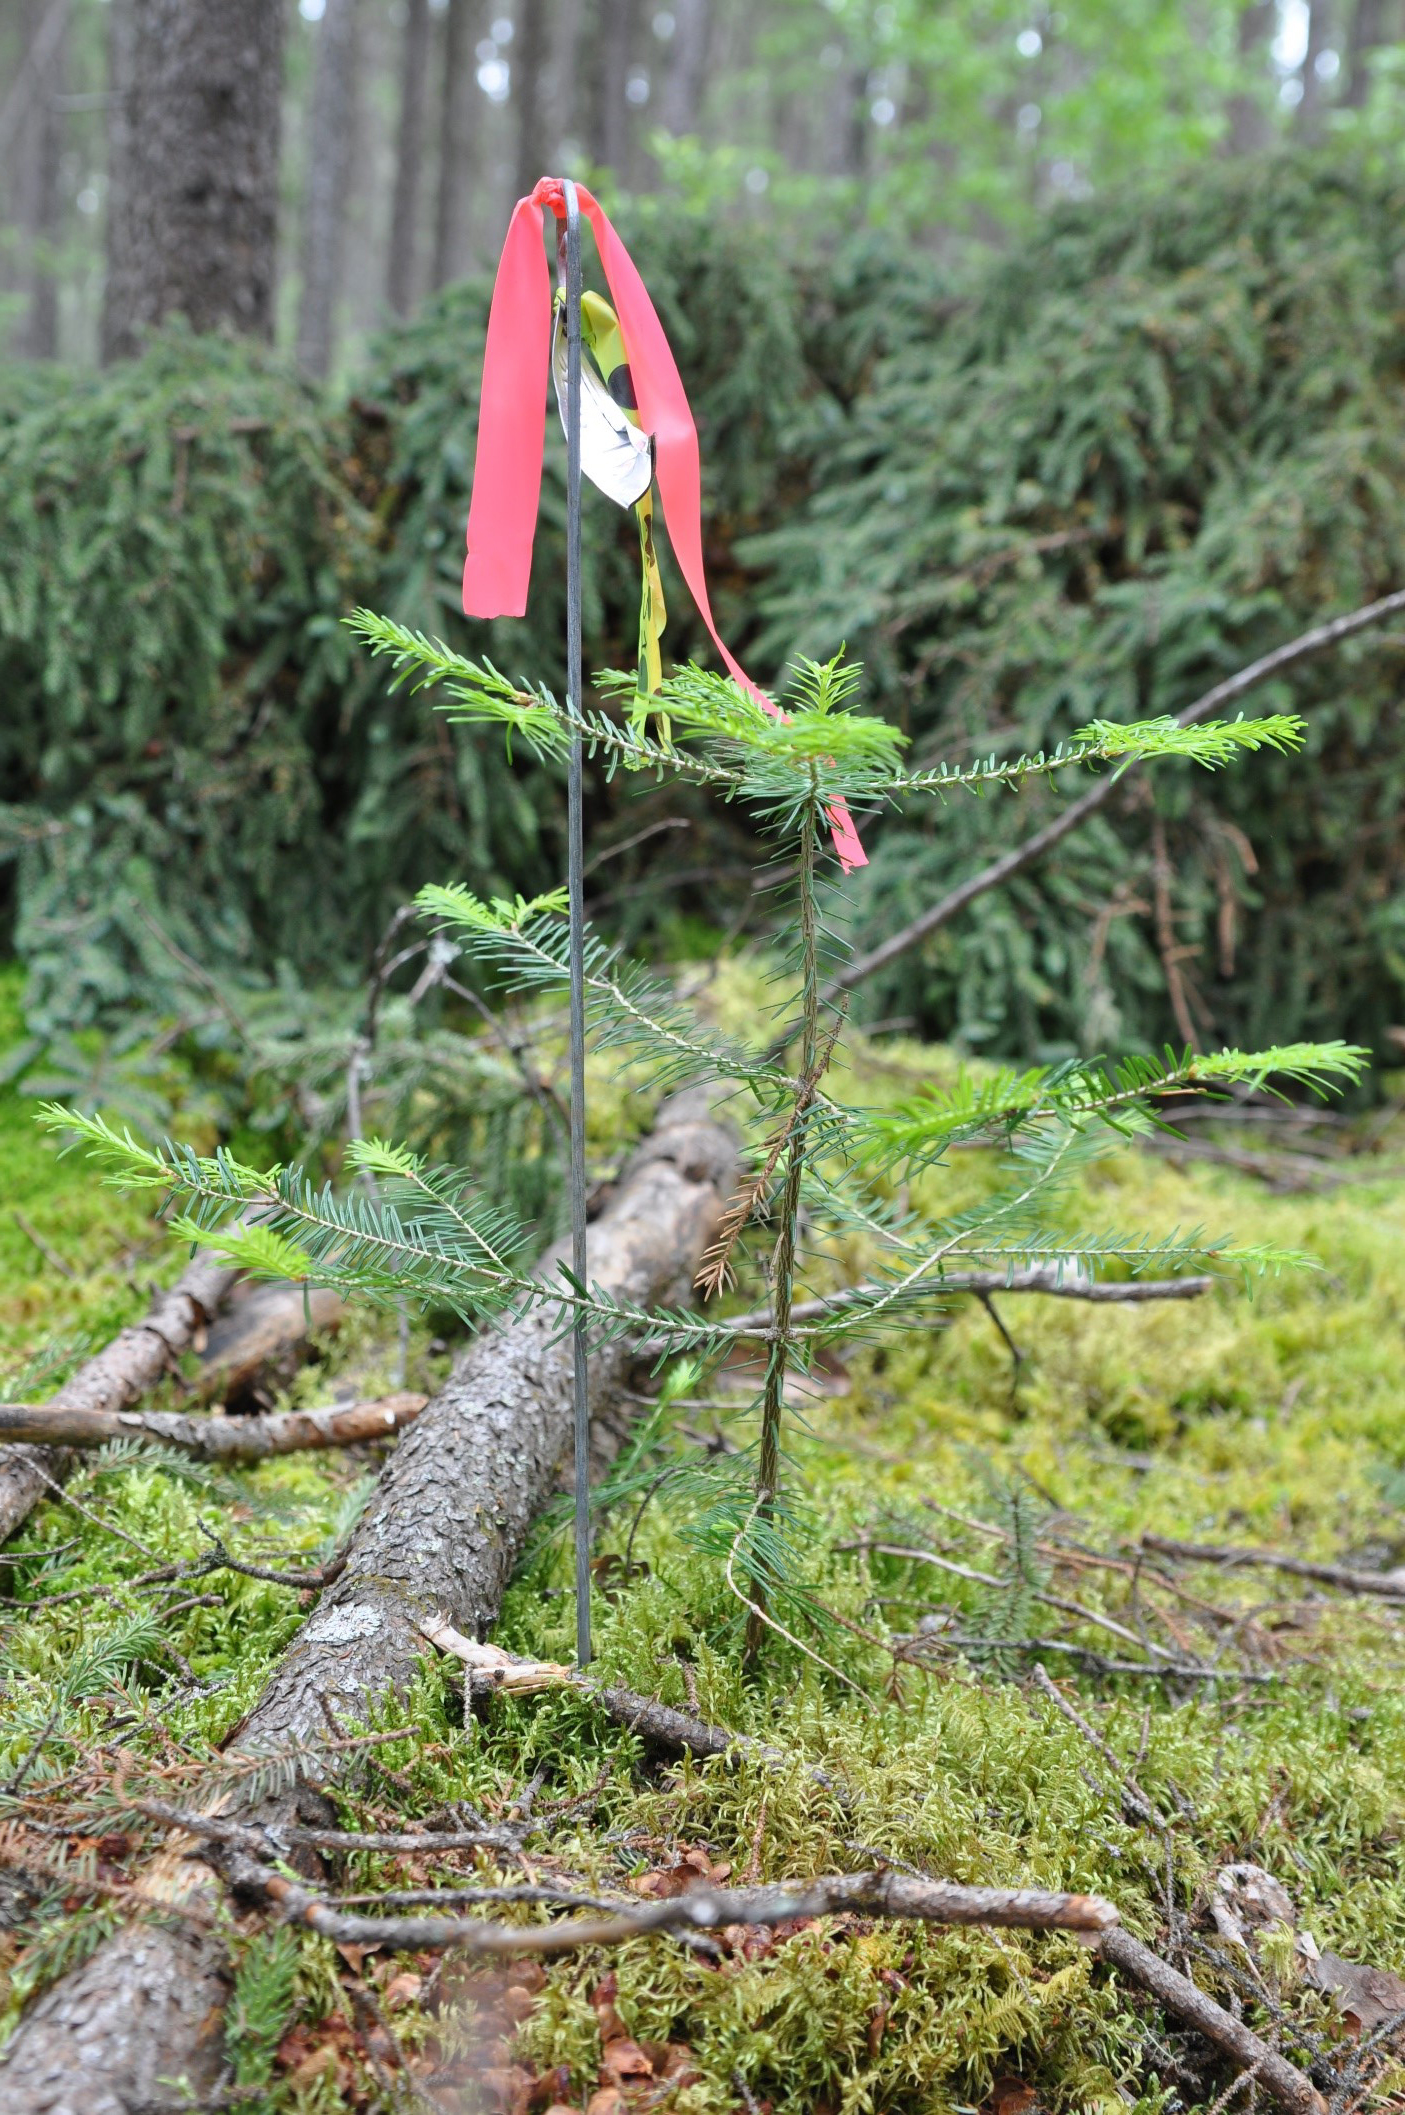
(768, 1465)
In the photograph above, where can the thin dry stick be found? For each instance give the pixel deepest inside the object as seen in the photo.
(214, 1438)
(1316, 641)
(911, 1650)
(660, 1725)
(1139, 1800)
(1290, 2087)
(1076, 1557)
(883, 1893)
(1389, 1586)
(47, 1251)
(1044, 1278)
(1068, 1608)
(116, 1376)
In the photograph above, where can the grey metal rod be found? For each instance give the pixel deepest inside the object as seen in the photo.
(575, 871)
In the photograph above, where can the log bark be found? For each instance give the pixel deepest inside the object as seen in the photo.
(266, 1332)
(121, 1373)
(442, 1533)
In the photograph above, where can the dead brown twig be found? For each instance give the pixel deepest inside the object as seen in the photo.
(1389, 1586)
(714, 1270)
(235, 1850)
(1290, 2087)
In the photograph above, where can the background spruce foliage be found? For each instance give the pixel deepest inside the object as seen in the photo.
(1157, 439)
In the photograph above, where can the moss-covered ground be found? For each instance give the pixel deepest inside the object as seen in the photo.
(1272, 1417)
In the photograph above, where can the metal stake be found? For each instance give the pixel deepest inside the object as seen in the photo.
(570, 242)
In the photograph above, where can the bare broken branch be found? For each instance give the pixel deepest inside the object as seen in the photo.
(1390, 1586)
(213, 1438)
(659, 1725)
(1318, 640)
(1290, 2087)
(1043, 1278)
(119, 1374)
(881, 1893)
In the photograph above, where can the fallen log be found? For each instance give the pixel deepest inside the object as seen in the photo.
(442, 1533)
(266, 1331)
(119, 1375)
(210, 1438)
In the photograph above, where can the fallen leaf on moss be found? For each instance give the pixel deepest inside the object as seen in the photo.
(692, 1868)
(402, 1989)
(1365, 1997)
(1011, 2096)
(602, 1997)
(624, 2059)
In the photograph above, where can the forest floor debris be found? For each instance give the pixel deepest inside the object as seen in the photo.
(1256, 1716)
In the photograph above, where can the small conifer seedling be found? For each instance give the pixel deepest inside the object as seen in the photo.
(819, 1169)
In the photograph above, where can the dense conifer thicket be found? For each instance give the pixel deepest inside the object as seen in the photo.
(1158, 439)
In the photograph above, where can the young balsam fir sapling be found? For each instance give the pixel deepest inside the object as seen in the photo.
(819, 1169)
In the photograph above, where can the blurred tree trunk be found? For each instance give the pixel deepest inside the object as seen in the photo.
(1250, 124)
(1373, 22)
(121, 74)
(687, 66)
(566, 100)
(1311, 107)
(195, 221)
(331, 130)
(37, 165)
(847, 130)
(530, 57)
(409, 159)
(458, 142)
(619, 34)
